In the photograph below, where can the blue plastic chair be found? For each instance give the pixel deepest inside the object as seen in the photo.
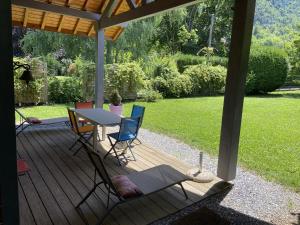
(127, 133)
(138, 112)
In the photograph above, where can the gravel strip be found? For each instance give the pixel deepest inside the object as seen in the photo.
(251, 200)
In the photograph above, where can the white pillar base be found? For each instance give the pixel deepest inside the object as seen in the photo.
(201, 177)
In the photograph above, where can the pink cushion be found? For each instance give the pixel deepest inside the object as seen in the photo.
(33, 120)
(125, 187)
(22, 166)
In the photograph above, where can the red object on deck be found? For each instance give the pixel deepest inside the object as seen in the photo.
(22, 166)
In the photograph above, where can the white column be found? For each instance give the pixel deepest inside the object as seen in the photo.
(235, 87)
(99, 81)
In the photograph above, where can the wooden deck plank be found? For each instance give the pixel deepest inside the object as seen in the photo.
(54, 210)
(25, 211)
(56, 180)
(72, 177)
(160, 209)
(77, 167)
(139, 218)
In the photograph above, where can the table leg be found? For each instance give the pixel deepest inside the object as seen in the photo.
(95, 134)
(103, 133)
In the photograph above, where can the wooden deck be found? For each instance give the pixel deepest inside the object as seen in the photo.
(57, 181)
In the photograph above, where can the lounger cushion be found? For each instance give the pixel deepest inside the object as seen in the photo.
(125, 187)
(33, 120)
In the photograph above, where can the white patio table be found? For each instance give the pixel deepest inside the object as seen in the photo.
(101, 117)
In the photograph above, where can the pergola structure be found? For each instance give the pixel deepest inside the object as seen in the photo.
(106, 19)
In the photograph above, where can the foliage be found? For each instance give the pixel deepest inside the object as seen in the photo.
(36, 91)
(206, 80)
(64, 89)
(127, 78)
(115, 98)
(149, 95)
(268, 68)
(41, 43)
(165, 68)
(53, 65)
(183, 61)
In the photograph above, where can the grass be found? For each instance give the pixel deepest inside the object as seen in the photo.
(270, 134)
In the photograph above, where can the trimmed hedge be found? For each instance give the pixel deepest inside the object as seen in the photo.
(64, 89)
(268, 70)
(178, 86)
(183, 61)
(206, 80)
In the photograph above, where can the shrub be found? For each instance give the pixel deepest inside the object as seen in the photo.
(36, 91)
(166, 69)
(127, 78)
(54, 67)
(178, 86)
(64, 89)
(206, 80)
(183, 61)
(268, 67)
(149, 95)
(115, 98)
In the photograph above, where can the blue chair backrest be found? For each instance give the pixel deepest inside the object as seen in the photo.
(138, 112)
(128, 129)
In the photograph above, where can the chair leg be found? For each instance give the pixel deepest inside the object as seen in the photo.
(107, 213)
(74, 144)
(183, 190)
(88, 194)
(131, 151)
(23, 128)
(108, 197)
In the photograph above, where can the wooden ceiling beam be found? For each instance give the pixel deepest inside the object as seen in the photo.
(57, 9)
(60, 23)
(110, 8)
(44, 20)
(144, 11)
(91, 29)
(76, 26)
(25, 17)
(118, 33)
(131, 4)
(85, 5)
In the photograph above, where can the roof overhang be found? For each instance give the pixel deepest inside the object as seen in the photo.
(81, 17)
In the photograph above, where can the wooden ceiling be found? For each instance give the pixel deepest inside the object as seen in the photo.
(68, 23)
(80, 17)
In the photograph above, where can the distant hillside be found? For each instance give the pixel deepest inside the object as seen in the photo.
(277, 12)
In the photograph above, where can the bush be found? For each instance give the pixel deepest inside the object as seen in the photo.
(206, 80)
(268, 67)
(149, 95)
(64, 89)
(178, 86)
(183, 61)
(36, 91)
(127, 78)
(166, 69)
(54, 67)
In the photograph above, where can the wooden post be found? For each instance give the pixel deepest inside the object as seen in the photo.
(235, 87)
(99, 88)
(8, 166)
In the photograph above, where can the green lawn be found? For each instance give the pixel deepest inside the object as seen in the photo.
(270, 135)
